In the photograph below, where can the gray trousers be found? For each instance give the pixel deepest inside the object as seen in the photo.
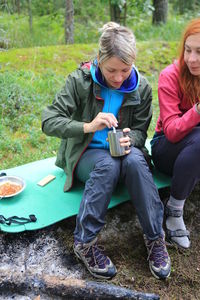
(101, 173)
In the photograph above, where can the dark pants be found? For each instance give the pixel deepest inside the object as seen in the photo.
(101, 172)
(179, 160)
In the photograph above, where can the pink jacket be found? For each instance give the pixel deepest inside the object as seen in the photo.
(177, 117)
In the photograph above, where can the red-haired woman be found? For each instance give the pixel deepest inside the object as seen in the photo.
(176, 143)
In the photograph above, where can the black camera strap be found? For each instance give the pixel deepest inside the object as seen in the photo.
(17, 220)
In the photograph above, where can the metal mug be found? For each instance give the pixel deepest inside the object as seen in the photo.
(116, 149)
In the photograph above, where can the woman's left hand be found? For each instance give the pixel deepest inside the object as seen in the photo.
(125, 141)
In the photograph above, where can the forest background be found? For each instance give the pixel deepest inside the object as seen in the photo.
(35, 60)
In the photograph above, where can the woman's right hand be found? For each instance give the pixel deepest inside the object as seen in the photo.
(198, 107)
(101, 121)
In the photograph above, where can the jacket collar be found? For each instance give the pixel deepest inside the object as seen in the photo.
(132, 98)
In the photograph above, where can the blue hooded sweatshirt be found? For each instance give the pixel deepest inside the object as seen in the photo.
(113, 99)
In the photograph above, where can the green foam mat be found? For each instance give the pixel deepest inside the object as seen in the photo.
(49, 203)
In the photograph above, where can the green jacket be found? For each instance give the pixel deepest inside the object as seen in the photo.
(79, 102)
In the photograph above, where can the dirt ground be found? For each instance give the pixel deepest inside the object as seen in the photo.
(123, 240)
(49, 252)
(133, 272)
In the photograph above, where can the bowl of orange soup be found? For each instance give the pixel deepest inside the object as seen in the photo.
(11, 186)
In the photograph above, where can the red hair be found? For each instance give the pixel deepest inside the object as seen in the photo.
(190, 84)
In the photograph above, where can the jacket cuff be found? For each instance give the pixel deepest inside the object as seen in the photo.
(77, 128)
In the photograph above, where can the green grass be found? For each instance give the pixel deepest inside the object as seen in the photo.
(39, 60)
(29, 80)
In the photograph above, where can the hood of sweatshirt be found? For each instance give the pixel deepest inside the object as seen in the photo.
(129, 85)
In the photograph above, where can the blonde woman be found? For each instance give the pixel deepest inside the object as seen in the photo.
(107, 93)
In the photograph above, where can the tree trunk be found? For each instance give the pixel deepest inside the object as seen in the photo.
(125, 14)
(18, 6)
(182, 6)
(30, 16)
(160, 11)
(185, 5)
(69, 22)
(114, 12)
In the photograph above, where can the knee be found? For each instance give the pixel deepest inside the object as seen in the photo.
(135, 161)
(190, 154)
(109, 166)
(196, 147)
(194, 142)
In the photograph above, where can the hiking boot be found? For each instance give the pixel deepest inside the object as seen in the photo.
(97, 263)
(158, 257)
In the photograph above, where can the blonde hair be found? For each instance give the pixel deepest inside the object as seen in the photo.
(118, 41)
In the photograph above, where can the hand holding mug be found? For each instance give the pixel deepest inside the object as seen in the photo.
(119, 142)
(125, 140)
